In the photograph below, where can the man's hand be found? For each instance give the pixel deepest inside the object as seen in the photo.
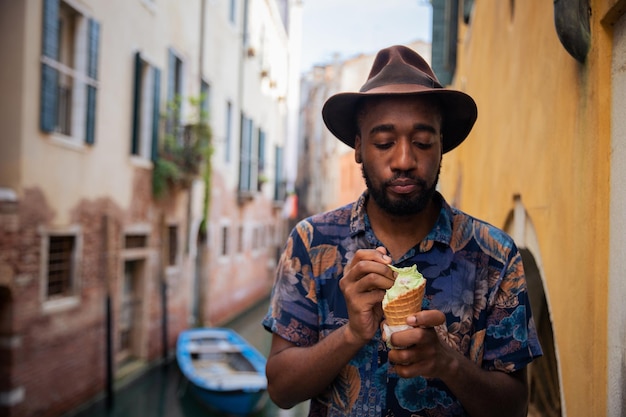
(364, 283)
(482, 393)
(365, 280)
(425, 354)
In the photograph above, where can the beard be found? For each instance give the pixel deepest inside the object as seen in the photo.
(405, 205)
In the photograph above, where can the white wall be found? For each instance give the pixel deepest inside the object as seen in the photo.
(616, 397)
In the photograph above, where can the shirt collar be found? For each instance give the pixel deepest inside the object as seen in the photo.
(441, 231)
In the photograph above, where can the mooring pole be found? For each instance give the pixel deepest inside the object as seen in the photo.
(108, 312)
(109, 354)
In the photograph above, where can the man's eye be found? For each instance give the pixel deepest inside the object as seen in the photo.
(423, 145)
(384, 145)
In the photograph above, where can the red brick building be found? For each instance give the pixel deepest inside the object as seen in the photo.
(119, 225)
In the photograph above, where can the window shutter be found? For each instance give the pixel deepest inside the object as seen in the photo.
(171, 75)
(467, 10)
(92, 72)
(205, 97)
(244, 153)
(156, 114)
(90, 134)
(171, 92)
(94, 41)
(279, 189)
(134, 147)
(261, 150)
(444, 39)
(49, 76)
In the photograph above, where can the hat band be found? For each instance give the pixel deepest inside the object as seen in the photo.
(397, 89)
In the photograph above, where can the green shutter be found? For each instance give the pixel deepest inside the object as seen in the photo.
(90, 134)
(261, 151)
(170, 124)
(156, 114)
(444, 39)
(49, 76)
(134, 146)
(92, 72)
(205, 97)
(50, 31)
(467, 10)
(279, 189)
(94, 41)
(244, 153)
(171, 76)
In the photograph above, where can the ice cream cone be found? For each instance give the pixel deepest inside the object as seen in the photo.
(410, 302)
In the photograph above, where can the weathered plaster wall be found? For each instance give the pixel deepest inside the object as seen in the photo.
(542, 134)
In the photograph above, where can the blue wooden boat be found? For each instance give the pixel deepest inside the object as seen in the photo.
(225, 372)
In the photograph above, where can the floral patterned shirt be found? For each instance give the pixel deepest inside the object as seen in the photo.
(474, 275)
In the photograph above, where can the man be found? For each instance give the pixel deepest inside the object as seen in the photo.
(466, 352)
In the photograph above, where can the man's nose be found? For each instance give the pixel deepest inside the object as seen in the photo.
(404, 157)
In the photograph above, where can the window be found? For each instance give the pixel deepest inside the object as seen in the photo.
(224, 240)
(261, 174)
(261, 150)
(240, 239)
(229, 122)
(172, 246)
(69, 71)
(205, 101)
(245, 153)
(257, 238)
(133, 241)
(467, 10)
(444, 42)
(145, 109)
(246, 30)
(279, 182)
(248, 163)
(60, 267)
(130, 320)
(231, 11)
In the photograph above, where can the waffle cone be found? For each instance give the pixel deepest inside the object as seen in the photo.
(397, 310)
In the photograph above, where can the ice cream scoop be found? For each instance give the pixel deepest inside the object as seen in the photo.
(403, 299)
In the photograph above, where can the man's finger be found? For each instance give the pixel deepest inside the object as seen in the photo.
(426, 318)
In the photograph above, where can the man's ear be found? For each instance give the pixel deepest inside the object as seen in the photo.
(357, 149)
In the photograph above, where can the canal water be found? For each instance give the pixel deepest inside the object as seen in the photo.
(163, 392)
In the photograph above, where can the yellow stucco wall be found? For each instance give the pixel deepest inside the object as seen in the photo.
(543, 133)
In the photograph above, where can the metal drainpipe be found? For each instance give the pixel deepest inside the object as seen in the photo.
(163, 281)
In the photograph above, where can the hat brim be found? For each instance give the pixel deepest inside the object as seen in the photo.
(459, 113)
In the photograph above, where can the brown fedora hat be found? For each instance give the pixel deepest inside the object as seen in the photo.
(399, 70)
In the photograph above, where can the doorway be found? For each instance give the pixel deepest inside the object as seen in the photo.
(543, 373)
(131, 307)
(544, 380)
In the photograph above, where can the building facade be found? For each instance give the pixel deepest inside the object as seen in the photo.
(141, 182)
(544, 163)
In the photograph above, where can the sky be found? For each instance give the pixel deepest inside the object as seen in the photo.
(352, 27)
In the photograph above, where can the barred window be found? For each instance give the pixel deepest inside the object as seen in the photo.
(60, 266)
(224, 240)
(172, 245)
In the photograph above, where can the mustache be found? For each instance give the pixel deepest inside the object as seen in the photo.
(404, 177)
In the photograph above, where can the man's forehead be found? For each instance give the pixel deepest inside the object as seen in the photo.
(428, 103)
(428, 106)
